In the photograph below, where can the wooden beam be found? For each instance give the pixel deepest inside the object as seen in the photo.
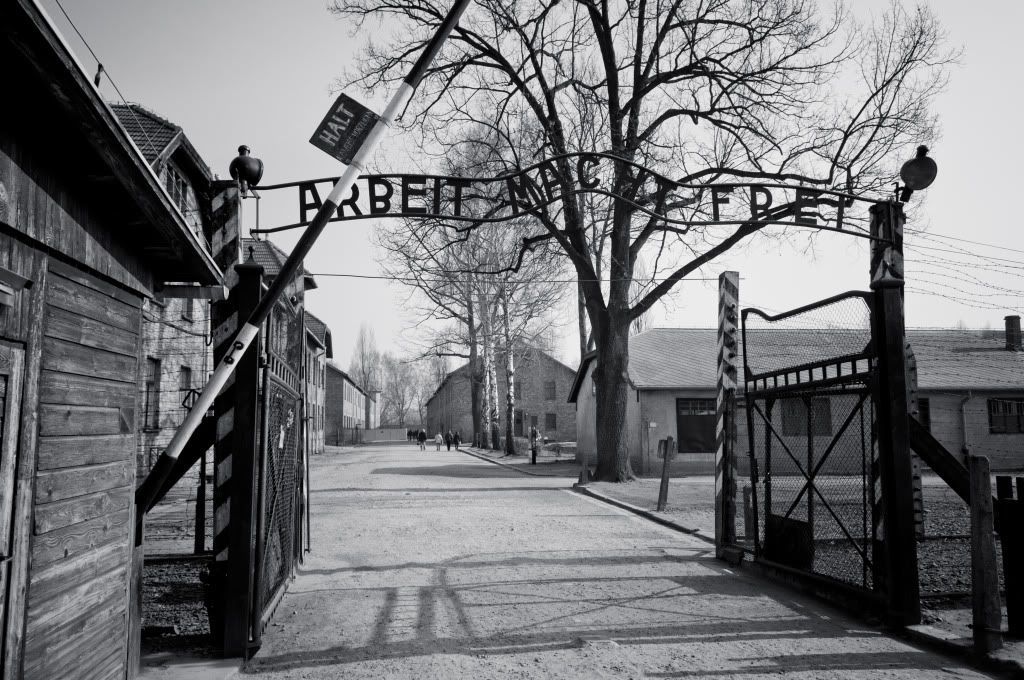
(216, 293)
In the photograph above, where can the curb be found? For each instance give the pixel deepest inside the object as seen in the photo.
(646, 514)
(936, 639)
(515, 468)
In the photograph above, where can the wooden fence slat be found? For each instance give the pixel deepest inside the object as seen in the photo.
(64, 483)
(79, 538)
(72, 601)
(77, 653)
(69, 451)
(74, 297)
(89, 281)
(50, 581)
(80, 390)
(72, 511)
(67, 357)
(79, 420)
(81, 330)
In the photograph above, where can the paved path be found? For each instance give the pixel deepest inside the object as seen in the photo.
(438, 565)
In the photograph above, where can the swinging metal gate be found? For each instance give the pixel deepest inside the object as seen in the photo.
(809, 376)
(279, 514)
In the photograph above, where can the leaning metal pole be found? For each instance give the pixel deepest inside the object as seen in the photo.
(248, 330)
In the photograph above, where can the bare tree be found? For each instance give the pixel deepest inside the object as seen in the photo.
(464, 276)
(398, 390)
(365, 364)
(702, 90)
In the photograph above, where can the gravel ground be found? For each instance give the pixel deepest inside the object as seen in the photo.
(172, 595)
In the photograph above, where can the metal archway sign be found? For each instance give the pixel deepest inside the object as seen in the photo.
(539, 187)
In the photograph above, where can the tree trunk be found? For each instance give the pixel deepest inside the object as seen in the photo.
(475, 371)
(611, 381)
(510, 374)
(581, 314)
(490, 390)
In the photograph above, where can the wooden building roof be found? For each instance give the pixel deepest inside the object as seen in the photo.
(99, 156)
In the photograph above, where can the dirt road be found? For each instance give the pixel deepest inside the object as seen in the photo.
(438, 565)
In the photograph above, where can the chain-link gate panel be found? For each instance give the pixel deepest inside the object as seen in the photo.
(810, 422)
(279, 485)
(279, 473)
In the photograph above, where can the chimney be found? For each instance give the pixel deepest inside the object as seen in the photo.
(1013, 339)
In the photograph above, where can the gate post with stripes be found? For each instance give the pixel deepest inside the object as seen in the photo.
(235, 459)
(725, 413)
(235, 454)
(899, 541)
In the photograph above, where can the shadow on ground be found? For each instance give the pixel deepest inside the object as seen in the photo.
(461, 471)
(614, 602)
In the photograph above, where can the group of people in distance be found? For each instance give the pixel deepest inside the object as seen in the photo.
(448, 439)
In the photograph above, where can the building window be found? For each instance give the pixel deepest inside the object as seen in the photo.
(924, 413)
(695, 425)
(1005, 416)
(177, 187)
(794, 417)
(151, 397)
(188, 309)
(695, 407)
(550, 422)
(549, 390)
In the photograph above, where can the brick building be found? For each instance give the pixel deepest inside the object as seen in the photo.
(542, 387)
(317, 351)
(345, 408)
(175, 330)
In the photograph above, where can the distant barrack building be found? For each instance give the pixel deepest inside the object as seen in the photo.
(318, 350)
(970, 394)
(542, 385)
(346, 409)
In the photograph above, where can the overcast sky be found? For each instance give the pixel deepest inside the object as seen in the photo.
(259, 73)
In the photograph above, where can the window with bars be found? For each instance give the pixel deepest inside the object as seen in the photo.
(550, 422)
(151, 396)
(794, 417)
(1006, 416)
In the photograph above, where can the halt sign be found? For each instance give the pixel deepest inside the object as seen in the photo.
(344, 129)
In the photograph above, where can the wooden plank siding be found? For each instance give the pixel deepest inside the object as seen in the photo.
(23, 322)
(85, 477)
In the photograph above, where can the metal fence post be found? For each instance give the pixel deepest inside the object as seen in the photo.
(667, 447)
(1010, 524)
(888, 335)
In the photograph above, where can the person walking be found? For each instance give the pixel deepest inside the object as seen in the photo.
(534, 444)
(448, 439)
(458, 439)
(439, 439)
(422, 439)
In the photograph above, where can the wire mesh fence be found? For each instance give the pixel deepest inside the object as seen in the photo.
(279, 491)
(812, 494)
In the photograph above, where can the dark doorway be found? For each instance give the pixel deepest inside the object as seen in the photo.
(695, 425)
